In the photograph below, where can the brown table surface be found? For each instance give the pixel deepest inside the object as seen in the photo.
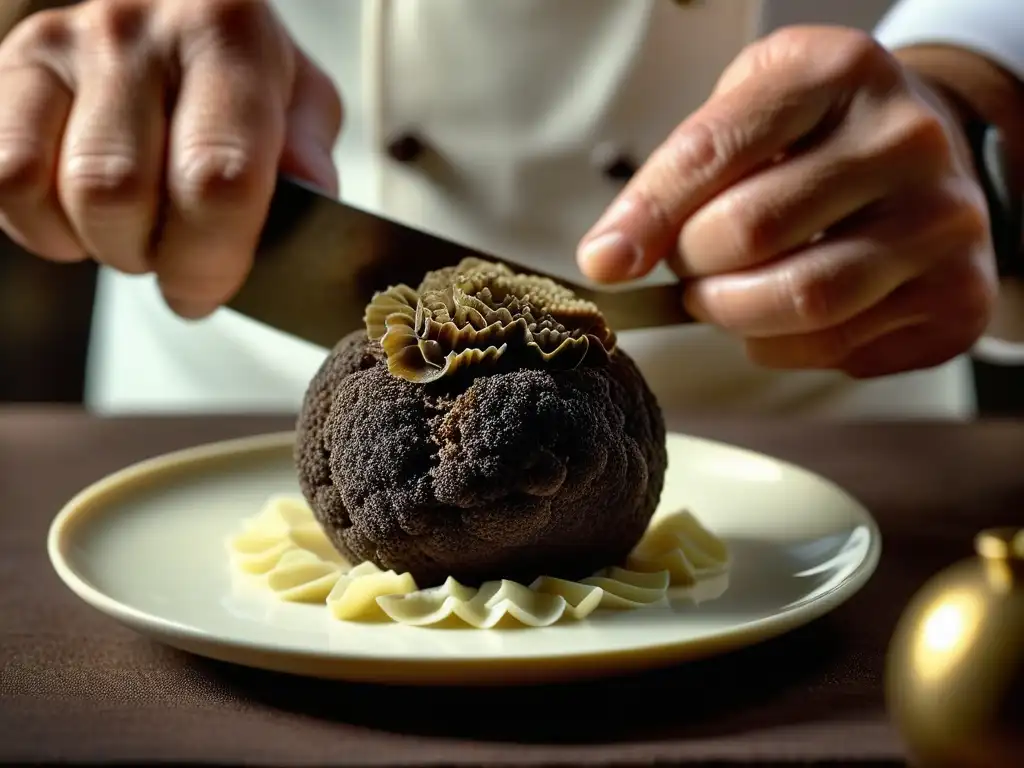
(77, 688)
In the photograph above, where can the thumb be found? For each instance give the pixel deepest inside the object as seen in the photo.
(315, 116)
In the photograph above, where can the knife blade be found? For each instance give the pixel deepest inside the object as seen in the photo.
(319, 261)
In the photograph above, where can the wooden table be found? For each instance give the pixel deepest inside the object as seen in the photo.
(77, 688)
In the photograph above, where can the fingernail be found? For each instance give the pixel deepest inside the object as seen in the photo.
(610, 257)
(189, 310)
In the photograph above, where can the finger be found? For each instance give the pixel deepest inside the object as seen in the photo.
(848, 271)
(954, 304)
(908, 349)
(314, 123)
(967, 296)
(844, 274)
(780, 208)
(112, 156)
(34, 105)
(225, 142)
(829, 348)
(825, 285)
(788, 204)
(732, 135)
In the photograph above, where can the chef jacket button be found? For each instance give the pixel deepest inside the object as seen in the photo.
(619, 168)
(612, 162)
(405, 148)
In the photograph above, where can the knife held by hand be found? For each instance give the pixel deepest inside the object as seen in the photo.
(319, 262)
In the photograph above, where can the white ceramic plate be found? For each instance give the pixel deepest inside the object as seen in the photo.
(147, 547)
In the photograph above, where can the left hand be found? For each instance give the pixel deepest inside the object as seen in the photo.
(822, 205)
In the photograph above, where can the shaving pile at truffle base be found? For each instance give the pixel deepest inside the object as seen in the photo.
(484, 426)
(284, 550)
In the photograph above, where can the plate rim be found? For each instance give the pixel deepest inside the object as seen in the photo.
(96, 497)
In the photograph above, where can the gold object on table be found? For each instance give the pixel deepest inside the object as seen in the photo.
(955, 669)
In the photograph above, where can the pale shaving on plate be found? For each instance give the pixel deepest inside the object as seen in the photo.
(285, 548)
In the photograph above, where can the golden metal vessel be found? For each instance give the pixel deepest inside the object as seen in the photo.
(955, 668)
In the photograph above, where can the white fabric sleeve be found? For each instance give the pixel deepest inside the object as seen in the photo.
(991, 28)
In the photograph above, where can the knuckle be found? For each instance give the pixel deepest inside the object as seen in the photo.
(764, 55)
(229, 23)
(749, 60)
(838, 56)
(978, 295)
(24, 170)
(757, 227)
(747, 227)
(955, 215)
(857, 57)
(653, 207)
(920, 133)
(698, 149)
(971, 224)
(228, 15)
(120, 24)
(857, 48)
(101, 178)
(789, 43)
(810, 296)
(238, 31)
(44, 31)
(220, 174)
(970, 217)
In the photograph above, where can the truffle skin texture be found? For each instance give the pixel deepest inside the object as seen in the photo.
(510, 476)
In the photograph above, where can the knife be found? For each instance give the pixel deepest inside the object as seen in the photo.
(319, 261)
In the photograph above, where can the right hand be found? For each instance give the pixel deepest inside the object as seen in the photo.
(148, 134)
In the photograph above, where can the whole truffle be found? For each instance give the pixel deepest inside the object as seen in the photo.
(534, 453)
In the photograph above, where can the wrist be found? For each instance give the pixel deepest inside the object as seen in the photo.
(976, 91)
(983, 106)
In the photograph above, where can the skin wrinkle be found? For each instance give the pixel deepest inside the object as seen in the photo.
(513, 475)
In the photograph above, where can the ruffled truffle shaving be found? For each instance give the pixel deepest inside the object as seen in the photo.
(478, 315)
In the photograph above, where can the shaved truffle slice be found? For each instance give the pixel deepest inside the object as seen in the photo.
(484, 315)
(537, 460)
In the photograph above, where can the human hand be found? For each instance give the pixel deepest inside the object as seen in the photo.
(148, 134)
(821, 205)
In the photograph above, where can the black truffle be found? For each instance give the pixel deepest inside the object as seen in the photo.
(500, 472)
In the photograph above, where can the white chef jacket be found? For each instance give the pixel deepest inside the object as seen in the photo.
(522, 110)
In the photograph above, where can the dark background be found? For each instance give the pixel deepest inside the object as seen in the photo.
(45, 318)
